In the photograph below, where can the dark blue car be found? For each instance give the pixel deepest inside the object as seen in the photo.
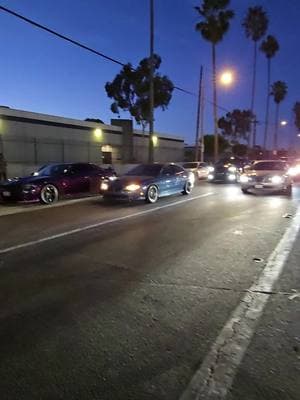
(149, 182)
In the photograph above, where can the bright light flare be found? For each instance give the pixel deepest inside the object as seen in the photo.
(226, 78)
(276, 179)
(283, 123)
(133, 187)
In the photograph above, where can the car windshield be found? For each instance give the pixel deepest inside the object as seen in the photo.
(145, 170)
(269, 166)
(53, 170)
(190, 165)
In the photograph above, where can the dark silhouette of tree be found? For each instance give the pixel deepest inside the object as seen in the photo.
(99, 121)
(236, 125)
(279, 92)
(255, 24)
(239, 149)
(209, 145)
(214, 23)
(130, 90)
(269, 47)
(296, 110)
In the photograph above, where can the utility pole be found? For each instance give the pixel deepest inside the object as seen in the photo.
(151, 84)
(202, 124)
(198, 116)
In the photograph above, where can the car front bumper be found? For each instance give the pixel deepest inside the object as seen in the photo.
(15, 194)
(123, 195)
(265, 187)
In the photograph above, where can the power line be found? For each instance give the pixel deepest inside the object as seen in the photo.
(87, 48)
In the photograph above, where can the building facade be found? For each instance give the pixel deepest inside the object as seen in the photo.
(29, 140)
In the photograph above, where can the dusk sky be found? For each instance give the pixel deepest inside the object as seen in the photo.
(44, 74)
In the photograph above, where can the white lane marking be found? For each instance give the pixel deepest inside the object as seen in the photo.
(12, 210)
(215, 376)
(101, 223)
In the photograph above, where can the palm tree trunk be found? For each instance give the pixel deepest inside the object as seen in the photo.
(216, 138)
(275, 141)
(253, 93)
(267, 104)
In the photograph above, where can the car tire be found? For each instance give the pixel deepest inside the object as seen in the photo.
(245, 191)
(152, 194)
(187, 188)
(49, 194)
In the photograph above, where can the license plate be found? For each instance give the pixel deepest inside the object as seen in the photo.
(258, 186)
(6, 194)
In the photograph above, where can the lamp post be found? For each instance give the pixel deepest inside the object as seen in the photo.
(151, 84)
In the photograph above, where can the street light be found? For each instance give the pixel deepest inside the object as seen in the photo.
(226, 78)
(283, 123)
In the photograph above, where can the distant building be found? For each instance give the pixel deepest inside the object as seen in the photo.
(29, 140)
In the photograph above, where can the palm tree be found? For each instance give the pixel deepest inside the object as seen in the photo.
(278, 91)
(215, 22)
(269, 47)
(255, 24)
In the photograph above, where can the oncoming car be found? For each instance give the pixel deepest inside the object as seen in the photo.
(149, 182)
(226, 170)
(267, 176)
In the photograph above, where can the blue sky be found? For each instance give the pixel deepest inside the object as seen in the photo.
(43, 74)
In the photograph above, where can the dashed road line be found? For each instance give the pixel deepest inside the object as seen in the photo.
(101, 223)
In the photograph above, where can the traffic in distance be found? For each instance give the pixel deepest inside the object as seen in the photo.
(148, 182)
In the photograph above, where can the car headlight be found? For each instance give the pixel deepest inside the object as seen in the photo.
(232, 169)
(211, 169)
(133, 187)
(210, 177)
(293, 171)
(112, 178)
(231, 177)
(104, 186)
(244, 179)
(277, 179)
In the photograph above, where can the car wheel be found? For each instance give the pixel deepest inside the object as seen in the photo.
(49, 194)
(152, 194)
(245, 191)
(187, 188)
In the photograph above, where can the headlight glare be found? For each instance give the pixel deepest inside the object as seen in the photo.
(104, 186)
(277, 179)
(211, 169)
(210, 177)
(244, 179)
(133, 187)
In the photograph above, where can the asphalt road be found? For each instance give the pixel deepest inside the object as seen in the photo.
(125, 301)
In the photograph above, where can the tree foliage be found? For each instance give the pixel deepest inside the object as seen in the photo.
(130, 90)
(239, 149)
(255, 23)
(279, 91)
(296, 111)
(99, 121)
(236, 125)
(209, 145)
(269, 46)
(215, 19)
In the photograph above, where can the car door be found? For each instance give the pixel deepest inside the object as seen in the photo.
(78, 179)
(180, 177)
(167, 180)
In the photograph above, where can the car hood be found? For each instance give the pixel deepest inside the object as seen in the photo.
(265, 172)
(128, 180)
(24, 181)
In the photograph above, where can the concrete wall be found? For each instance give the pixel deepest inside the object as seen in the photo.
(30, 140)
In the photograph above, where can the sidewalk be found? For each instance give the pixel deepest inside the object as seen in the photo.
(271, 367)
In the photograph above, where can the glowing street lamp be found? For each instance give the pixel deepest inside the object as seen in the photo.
(283, 123)
(98, 133)
(226, 78)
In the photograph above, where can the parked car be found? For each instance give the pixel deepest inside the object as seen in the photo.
(267, 176)
(200, 169)
(227, 170)
(55, 181)
(149, 182)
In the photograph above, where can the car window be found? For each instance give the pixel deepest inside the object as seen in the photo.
(168, 170)
(269, 166)
(177, 169)
(190, 165)
(84, 168)
(54, 170)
